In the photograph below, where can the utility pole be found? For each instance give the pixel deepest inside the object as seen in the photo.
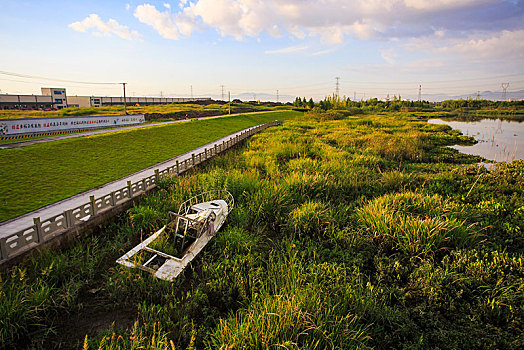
(337, 88)
(277, 96)
(504, 90)
(420, 93)
(222, 86)
(125, 104)
(229, 98)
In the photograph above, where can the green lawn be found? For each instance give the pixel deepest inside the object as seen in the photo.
(41, 174)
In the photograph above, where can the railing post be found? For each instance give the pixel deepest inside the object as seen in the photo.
(113, 199)
(93, 206)
(144, 186)
(216, 149)
(193, 157)
(157, 176)
(3, 249)
(129, 193)
(68, 215)
(38, 229)
(177, 168)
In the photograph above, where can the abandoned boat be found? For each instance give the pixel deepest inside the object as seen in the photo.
(168, 251)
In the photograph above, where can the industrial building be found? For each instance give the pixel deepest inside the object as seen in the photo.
(57, 98)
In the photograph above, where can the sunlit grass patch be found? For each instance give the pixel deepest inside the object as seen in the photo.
(415, 223)
(310, 218)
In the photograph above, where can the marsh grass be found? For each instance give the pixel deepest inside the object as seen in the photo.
(416, 224)
(338, 239)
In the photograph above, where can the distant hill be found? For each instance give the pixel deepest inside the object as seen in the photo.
(485, 95)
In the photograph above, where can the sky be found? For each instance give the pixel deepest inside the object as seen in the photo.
(298, 47)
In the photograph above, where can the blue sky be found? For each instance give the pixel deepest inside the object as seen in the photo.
(376, 47)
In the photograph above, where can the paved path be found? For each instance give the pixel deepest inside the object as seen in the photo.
(16, 224)
(104, 131)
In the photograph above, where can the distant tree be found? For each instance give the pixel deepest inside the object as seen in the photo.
(311, 104)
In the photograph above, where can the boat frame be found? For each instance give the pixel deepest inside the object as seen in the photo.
(198, 219)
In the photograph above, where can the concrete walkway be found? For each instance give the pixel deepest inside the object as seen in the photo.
(19, 223)
(104, 131)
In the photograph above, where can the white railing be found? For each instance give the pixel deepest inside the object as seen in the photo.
(41, 231)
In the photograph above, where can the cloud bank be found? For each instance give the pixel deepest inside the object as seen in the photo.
(333, 20)
(100, 28)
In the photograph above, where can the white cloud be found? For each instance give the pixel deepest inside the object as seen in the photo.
(389, 55)
(334, 21)
(168, 25)
(167, 6)
(291, 49)
(323, 52)
(101, 28)
(507, 44)
(128, 6)
(441, 4)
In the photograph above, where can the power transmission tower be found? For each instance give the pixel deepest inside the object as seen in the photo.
(354, 95)
(277, 96)
(504, 90)
(337, 89)
(478, 95)
(420, 93)
(191, 91)
(222, 92)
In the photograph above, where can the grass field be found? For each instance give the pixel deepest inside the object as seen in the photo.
(347, 232)
(119, 110)
(36, 175)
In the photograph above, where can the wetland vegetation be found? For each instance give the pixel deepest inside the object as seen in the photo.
(351, 229)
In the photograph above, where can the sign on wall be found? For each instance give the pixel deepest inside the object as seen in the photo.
(10, 127)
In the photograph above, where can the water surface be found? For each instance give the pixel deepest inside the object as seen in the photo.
(498, 140)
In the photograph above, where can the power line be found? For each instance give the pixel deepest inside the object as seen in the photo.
(53, 79)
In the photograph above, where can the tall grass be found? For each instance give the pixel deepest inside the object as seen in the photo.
(415, 223)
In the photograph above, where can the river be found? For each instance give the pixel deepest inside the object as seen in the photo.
(498, 140)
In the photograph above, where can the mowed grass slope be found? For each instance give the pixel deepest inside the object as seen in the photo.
(38, 175)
